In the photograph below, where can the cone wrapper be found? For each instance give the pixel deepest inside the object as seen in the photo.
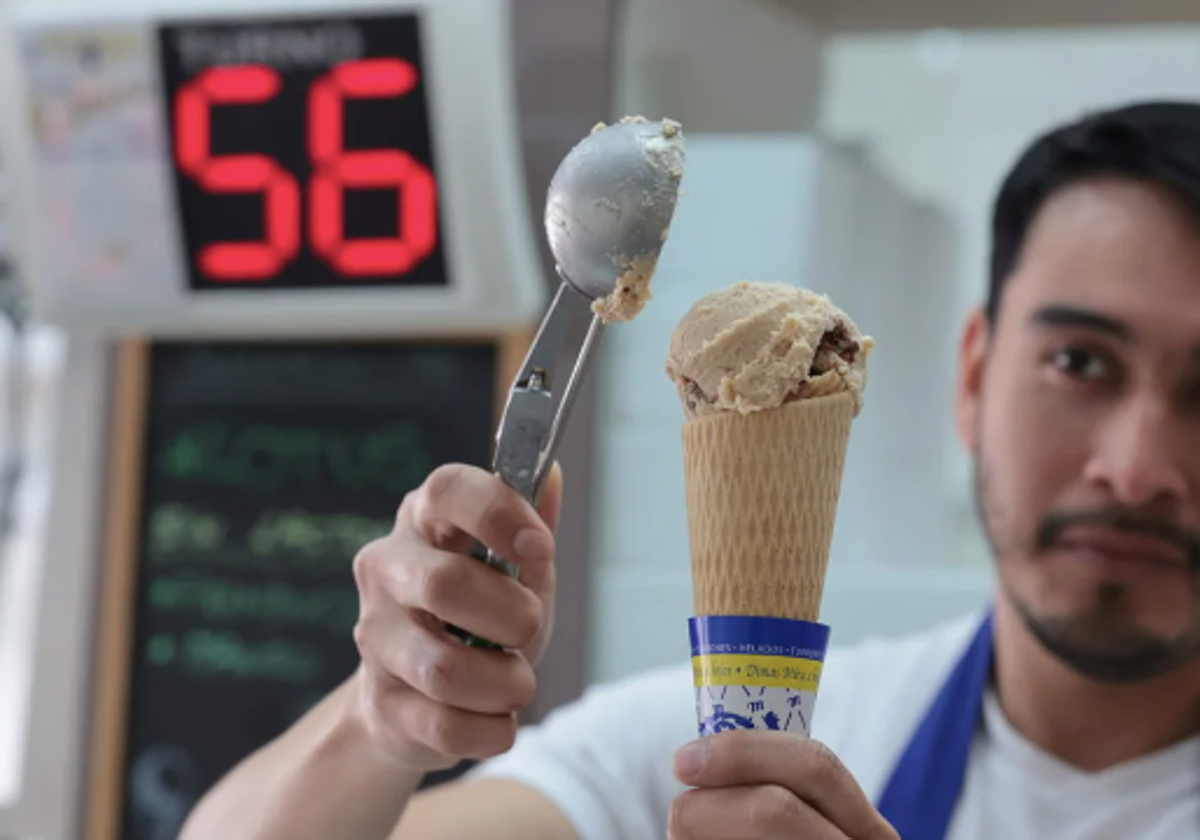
(762, 496)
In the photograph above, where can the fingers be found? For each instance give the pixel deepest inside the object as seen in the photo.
(427, 698)
(458, 500)
(549, 506)
(450, 731)
(457, 590)
(807, 768)
(420, 732)
(408, 649)
(766, 812)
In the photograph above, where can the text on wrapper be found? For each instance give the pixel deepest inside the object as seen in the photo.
(767, 671)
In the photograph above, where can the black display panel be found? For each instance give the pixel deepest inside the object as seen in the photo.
(266, 467)
(302, 153)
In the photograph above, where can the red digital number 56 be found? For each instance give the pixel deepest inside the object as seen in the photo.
(335, 170)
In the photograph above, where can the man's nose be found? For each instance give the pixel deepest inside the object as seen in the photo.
(1137, 455)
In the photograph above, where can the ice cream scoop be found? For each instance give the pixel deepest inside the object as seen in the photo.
(609, 210)
(756, 345)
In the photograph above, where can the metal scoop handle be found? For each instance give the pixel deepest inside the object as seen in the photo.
(531, 426)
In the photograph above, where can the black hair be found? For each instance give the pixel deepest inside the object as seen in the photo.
(1154, 142)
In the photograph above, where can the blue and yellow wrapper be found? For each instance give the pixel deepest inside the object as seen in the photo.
(754, 672)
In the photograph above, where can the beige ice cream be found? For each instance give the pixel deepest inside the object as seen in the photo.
(771, 377)
(755, 346)
(632, 291)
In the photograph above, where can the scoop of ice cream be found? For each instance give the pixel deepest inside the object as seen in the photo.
(755, 346)
(664, 152)
(632, 291)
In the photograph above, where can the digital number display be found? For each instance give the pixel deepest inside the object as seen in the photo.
(302, 153)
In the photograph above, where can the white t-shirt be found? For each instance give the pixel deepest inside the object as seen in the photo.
(606, 760)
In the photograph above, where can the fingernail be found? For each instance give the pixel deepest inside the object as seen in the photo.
(690, 759)
(532, 546)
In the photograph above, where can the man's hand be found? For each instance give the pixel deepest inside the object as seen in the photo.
(768, 785)
(427, 699)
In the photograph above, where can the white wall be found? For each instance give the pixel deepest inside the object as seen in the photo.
(718, 65)
(57, 610)
(21, 552)
(947, 113)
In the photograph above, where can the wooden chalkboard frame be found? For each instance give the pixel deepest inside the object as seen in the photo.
(117, 587)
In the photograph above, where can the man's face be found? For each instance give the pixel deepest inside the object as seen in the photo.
(1082, 409)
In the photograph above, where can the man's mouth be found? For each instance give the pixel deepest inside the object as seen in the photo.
(1123, 554)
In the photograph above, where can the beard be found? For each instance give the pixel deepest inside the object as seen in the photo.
(1099, 641)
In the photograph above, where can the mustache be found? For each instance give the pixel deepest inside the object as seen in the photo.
(1122, 519)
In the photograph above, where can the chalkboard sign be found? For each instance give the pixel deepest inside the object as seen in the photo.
(245, 477)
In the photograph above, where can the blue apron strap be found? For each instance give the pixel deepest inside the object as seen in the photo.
(920, 797)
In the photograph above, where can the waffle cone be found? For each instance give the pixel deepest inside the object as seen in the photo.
(762, 495)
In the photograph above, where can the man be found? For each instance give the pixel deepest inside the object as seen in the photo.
(1069, 710)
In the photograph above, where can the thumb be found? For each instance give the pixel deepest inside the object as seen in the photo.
(549, 503)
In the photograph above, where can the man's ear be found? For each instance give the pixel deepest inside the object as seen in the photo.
(972, 360)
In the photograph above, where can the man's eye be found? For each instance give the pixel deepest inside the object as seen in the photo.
(1079, 363)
